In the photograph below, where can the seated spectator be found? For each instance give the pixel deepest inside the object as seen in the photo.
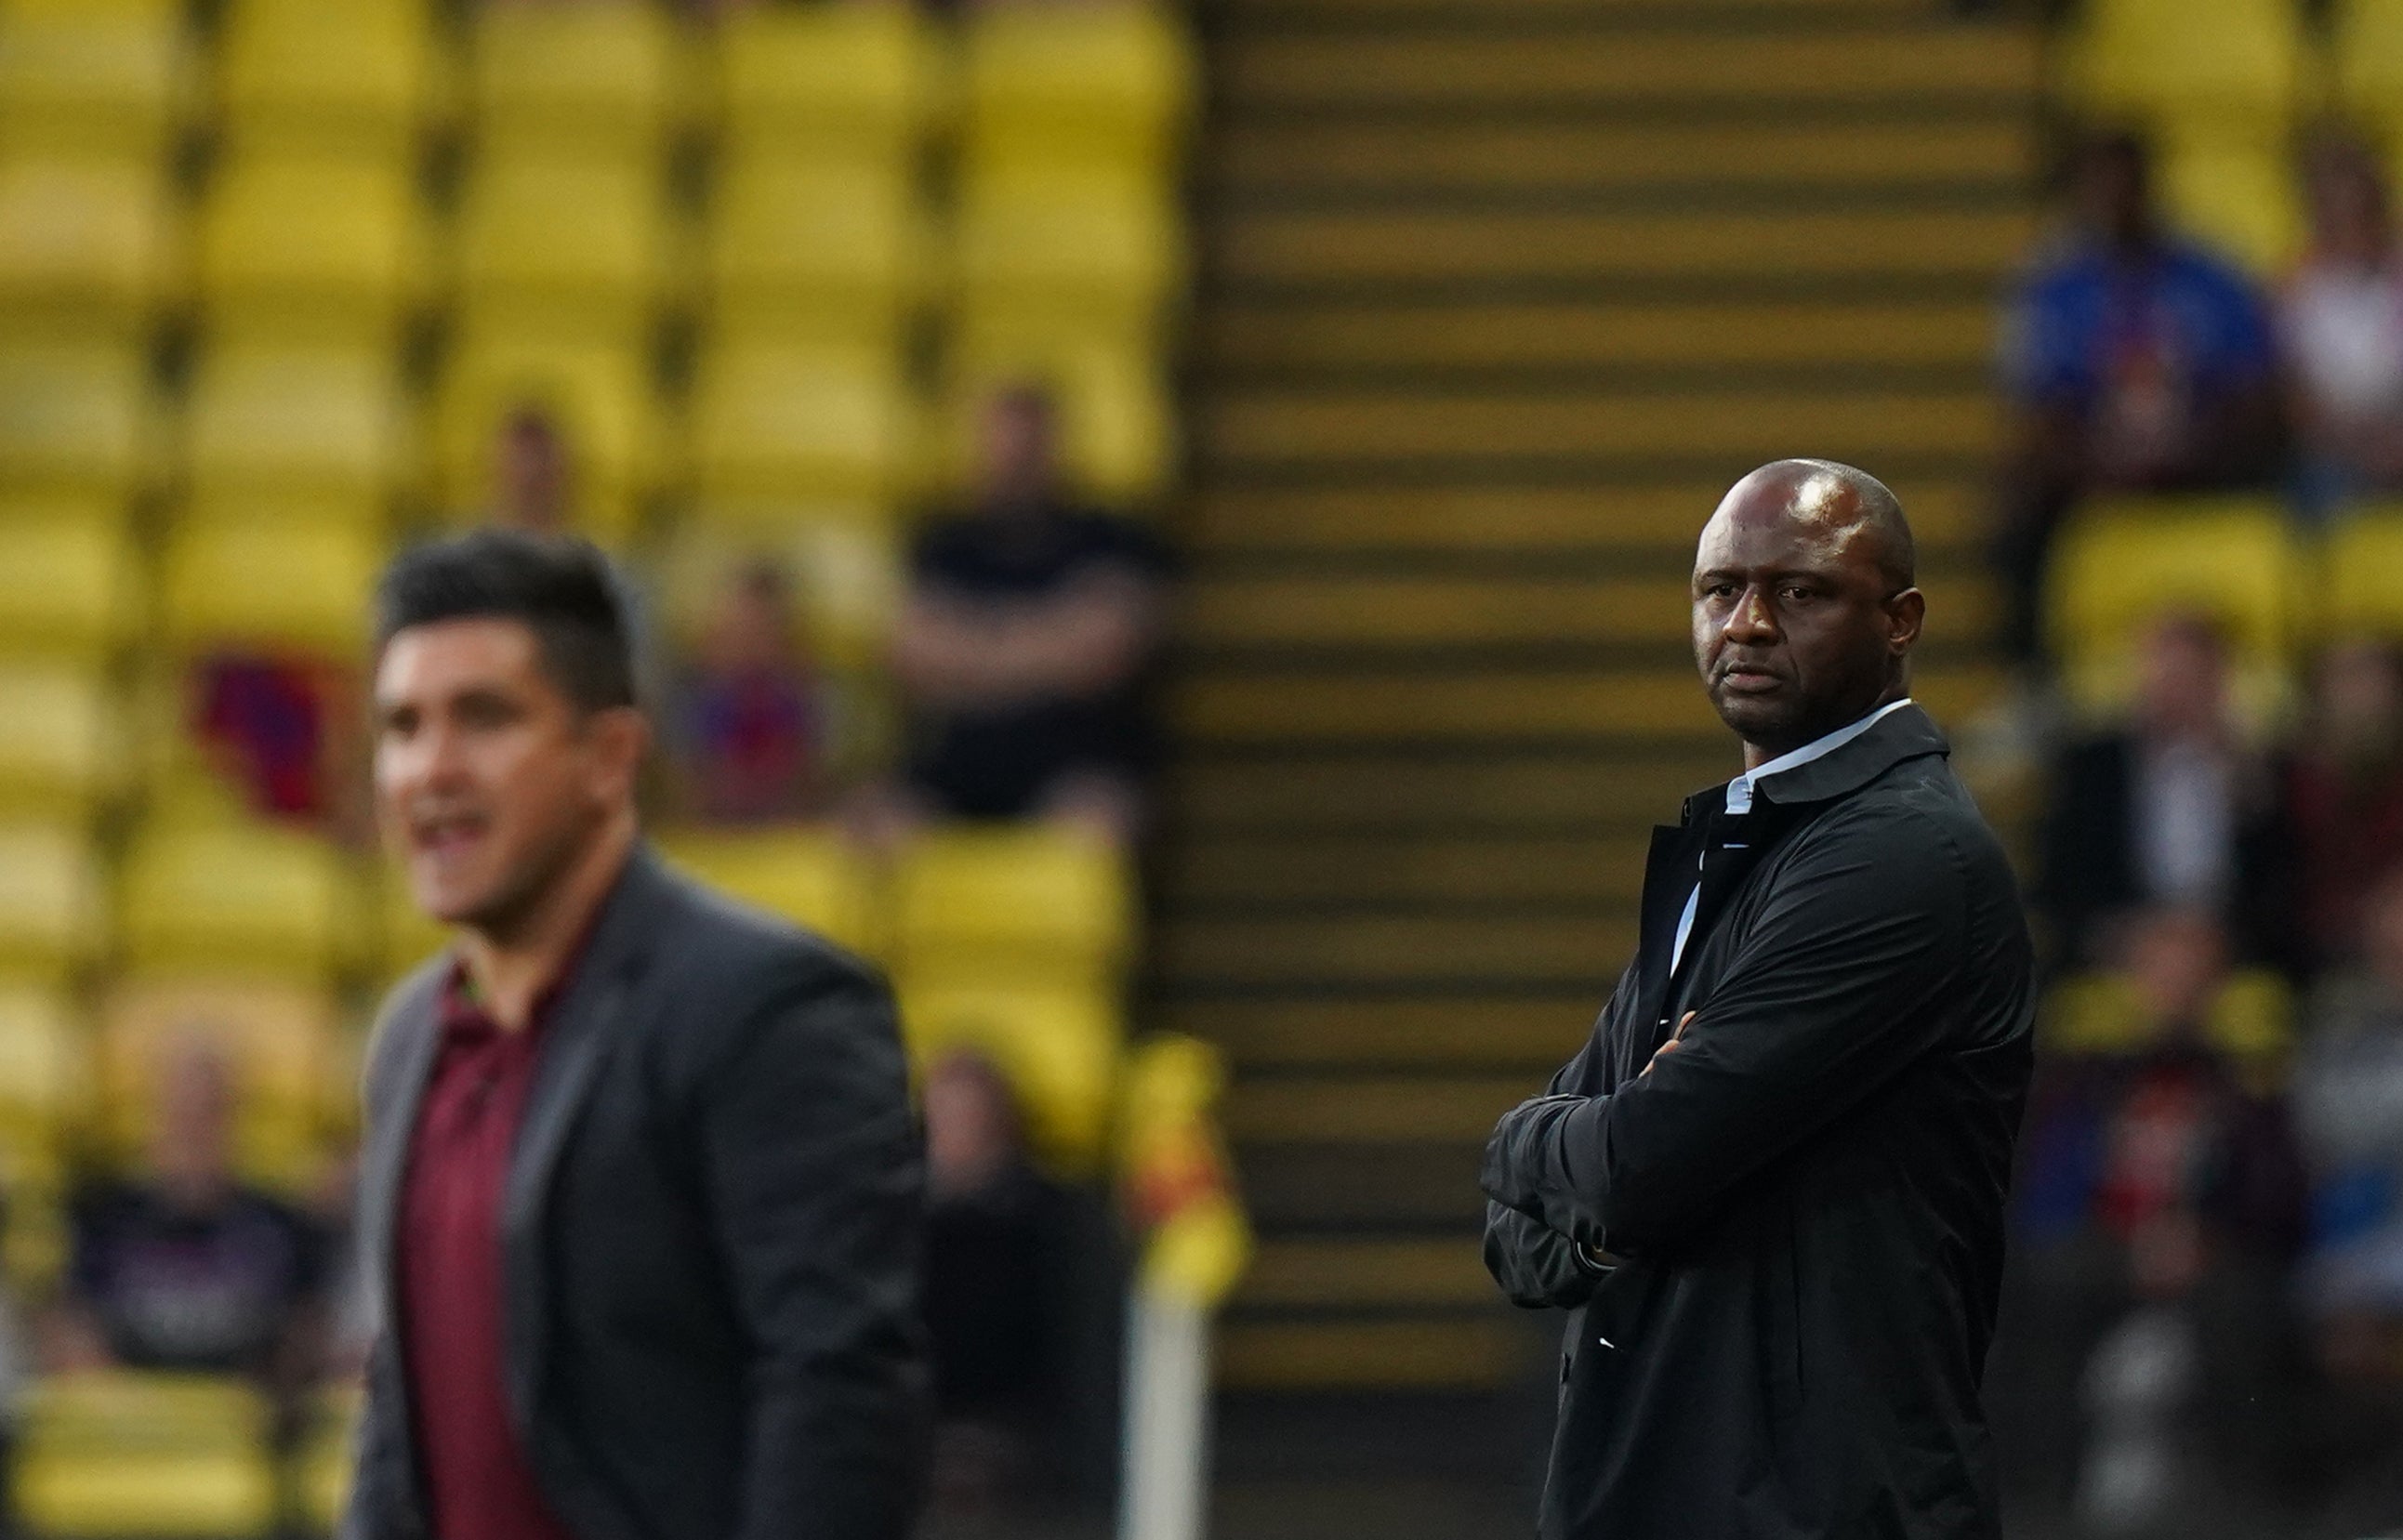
(1001, 1261)
(752, 722)
(277, 728)
(533, 474)
(2158, 1208)
(185, 1268)
(2171, 808)
(2134, 361)
(2340, 320)
(2344, 793)
(2349, 1108)
(1025, 645)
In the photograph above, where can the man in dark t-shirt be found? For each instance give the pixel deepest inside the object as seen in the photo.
(1023, 647)
(185, 1268)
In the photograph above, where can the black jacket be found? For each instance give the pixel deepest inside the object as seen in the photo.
(1807, 1196)
(711, 1234)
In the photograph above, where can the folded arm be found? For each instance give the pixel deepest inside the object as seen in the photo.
(1839, 987)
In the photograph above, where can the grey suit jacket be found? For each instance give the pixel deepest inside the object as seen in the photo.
(711, 1238)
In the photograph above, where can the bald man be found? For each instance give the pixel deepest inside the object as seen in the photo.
(1770, 1190)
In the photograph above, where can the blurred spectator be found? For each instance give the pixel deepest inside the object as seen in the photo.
(1025, 643)
(533, 474)
(277, 726)
(185, 1268)
(2159, 1207)
(1002, 1259)
(2344, 793)
(2134, 361)
(2349, 1105)
(753, 719)
(2171, 808)
(2340, 320)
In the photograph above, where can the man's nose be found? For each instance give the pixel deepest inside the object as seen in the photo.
(1754, 618)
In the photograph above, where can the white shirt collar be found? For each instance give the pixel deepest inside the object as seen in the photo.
(1739, 792)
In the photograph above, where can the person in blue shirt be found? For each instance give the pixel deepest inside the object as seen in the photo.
(2133, 360)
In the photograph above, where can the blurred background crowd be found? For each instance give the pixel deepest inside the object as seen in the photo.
(860, 333)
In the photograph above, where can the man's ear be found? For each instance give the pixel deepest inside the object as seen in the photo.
(1905, 613)
(621, 738)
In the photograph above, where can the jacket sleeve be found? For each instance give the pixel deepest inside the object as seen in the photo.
(1536, 1265)
(1838, 988)
(810, 1157)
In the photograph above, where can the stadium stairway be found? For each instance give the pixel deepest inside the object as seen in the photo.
(1496, 297)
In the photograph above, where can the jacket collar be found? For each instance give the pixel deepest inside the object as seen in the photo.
(1910, 734)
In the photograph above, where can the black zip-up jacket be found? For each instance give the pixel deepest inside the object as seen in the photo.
(1806, 1197)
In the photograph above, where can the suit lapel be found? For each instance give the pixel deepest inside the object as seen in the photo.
(1669, 874)
(414, 1029)
(577, 1040)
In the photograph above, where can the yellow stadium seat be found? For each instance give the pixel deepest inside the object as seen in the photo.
(53, 912)
(409, 935)
(237, 900)
(74, 420)
(845, 567)
(2366, 39)
(2239, 197)
(593, 80)
(322, 1464)
(1058, 1045)
(355, 79)
(816, 251)
(1091, 253)
(295, 422)
(123, 1454)
(1019, 903)
(577, 248)
(45, 1083)
(85, 249)
(1112, 82)
(2251, 1020)
(601, 397)
(1116, 425)
(70, 587)
(102, 82)
(279, 586)
(300, 248)
(2358, 596)
(2226, 67)
(2118, 567)
(796, 424)
(61, 744)
(808, 876)
(279, 1045)
(859, 77)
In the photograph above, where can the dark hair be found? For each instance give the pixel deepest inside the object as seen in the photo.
(562, 587)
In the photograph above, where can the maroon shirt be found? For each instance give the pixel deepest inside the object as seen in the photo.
(478, 1483)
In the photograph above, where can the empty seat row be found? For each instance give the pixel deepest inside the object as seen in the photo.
(372, 77)
(2235, 561)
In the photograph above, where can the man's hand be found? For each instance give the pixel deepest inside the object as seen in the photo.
(1675, 1039)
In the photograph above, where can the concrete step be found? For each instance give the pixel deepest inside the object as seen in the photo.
(1596, 61)
(1525, 1033)
(1374, 610)
(1325, 248)
(1369, 1273)
(1551, 947)
(1413, 1187)
(1836, 336)
(1360, 705)
(1257, 15)
(1955, 152)
(1376, 514)
(1353, 1107)
(1286, 430)
(1382, 869)
(1416, 793)
(1477, 1352)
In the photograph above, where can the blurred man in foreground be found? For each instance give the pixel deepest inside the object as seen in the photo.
(640, 1181)
(1779, 1225)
